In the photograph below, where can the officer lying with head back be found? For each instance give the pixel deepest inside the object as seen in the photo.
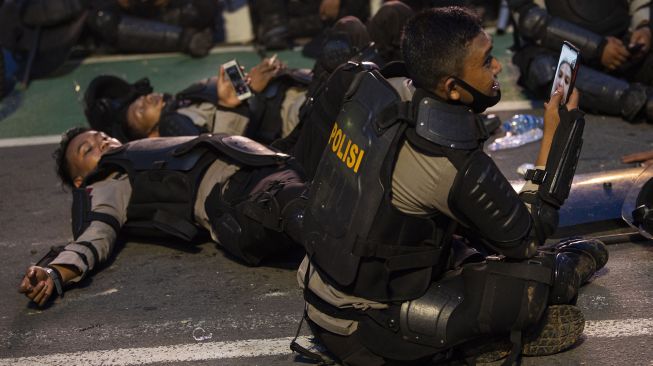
(387, 278)
(134, 111)
(247, 196)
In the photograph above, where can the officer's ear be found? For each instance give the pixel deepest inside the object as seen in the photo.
(77, 181)
(450, 89)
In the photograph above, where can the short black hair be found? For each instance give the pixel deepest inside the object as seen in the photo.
(59, 155)
(434, 43)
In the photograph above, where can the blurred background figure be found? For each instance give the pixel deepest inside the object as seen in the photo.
(614, 38)
(155, 25)
(278, 22)
(38, 35)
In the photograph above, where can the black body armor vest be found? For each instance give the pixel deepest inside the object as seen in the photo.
(164, 174)
(605, 17)
(358, 241)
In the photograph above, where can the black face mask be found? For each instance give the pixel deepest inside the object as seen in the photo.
(481, 101)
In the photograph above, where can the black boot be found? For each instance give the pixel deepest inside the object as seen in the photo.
(587, 255)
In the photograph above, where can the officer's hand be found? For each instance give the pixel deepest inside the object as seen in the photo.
(329, 9)
(261, 74)
(614, 53)
(643, 157)
(641, 36)
(227, 96)
(37, 285)
(551, 113)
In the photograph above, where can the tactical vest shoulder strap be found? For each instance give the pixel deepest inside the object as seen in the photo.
(82, 216)
(239, 148)
(202, 91)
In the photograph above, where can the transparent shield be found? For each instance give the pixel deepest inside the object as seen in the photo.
(630, 202)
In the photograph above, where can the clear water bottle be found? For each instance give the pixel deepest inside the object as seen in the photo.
(521, 129)
(520, 123)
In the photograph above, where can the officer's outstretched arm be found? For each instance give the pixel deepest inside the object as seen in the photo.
(535, 23)
(99, 211)
(514, 225)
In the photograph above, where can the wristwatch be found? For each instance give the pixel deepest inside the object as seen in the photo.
(56, 278)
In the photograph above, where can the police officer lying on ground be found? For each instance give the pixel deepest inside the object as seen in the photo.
(133, 111)
(386, 280)
(614, 38)
(245, 195)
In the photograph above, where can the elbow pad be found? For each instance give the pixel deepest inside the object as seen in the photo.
(482, 197)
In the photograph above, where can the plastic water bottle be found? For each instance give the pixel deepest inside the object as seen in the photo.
(521, 129)
(520, 123)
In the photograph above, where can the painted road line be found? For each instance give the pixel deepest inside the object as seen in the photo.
(264, 347)
(618, 328)
(516, 105)
(154, 56)
(30, 141)
(165, 354)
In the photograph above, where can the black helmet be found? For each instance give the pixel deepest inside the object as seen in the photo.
(106, 102)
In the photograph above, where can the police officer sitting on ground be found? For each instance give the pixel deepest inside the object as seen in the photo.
(132, 111)
(614, 38)
(247, 196)
(155, 25)
(386, 280)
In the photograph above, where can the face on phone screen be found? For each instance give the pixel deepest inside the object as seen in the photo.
(237, 80)
(565, 72)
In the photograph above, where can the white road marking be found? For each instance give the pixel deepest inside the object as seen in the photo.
(515, 105)
(153, 56)
(263, 347)
(165, 354)
(30, 141)
(618, 328)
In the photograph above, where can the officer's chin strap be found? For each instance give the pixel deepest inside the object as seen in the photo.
(320, 360)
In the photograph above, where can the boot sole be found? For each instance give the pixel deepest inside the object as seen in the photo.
(560, 329)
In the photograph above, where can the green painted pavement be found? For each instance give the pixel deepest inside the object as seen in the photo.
(53, 105)
(50, 106)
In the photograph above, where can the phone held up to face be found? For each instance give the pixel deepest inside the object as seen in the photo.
(565, 75)
(235, 75)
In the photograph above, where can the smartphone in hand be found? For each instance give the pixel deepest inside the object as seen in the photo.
(235, 75)
(566, 71)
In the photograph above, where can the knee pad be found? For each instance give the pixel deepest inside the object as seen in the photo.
(492, 298)
(292, 216)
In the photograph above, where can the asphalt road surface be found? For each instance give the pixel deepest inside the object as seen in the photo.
(180, 305)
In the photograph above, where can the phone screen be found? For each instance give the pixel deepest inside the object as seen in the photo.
(237, 80)
(565, 75)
